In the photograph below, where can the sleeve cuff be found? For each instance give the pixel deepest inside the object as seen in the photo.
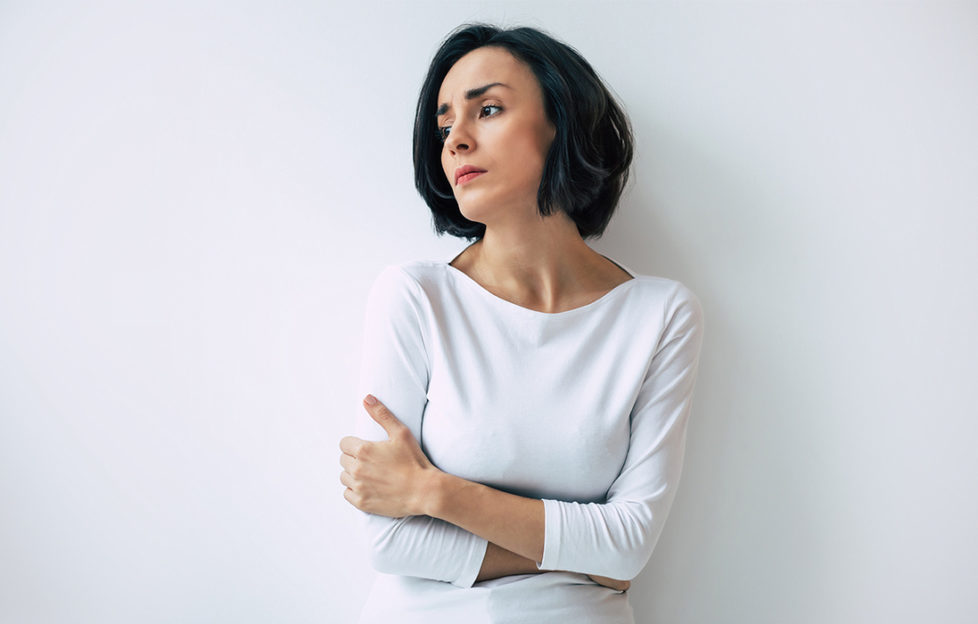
(551, 535)
(470, 570)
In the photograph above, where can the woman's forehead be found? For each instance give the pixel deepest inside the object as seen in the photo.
(483, 66)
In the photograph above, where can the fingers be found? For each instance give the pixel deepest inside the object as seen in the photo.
(383, 416)
(352, 445)
(352, 497)
(611, 583)
(347, 478)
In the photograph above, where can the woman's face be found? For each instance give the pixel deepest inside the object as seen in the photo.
(502, 130)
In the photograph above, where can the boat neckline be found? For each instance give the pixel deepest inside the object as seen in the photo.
(531, 312)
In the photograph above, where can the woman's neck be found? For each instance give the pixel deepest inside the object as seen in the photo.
(545, 265)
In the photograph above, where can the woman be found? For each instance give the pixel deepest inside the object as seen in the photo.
(548, 386)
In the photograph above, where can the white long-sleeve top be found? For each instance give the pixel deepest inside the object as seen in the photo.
(585, 409)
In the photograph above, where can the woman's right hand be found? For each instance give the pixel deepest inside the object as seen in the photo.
(610, 582)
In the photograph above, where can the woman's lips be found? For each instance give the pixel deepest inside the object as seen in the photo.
(469, 176)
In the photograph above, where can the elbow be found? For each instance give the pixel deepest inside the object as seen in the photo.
(637, 535)
(624, 565)
(382, 554)
(614, 540)
(381, 561)
(630, 564)
(424, 547)
(380, 557)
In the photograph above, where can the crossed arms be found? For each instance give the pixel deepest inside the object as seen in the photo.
(425, 522)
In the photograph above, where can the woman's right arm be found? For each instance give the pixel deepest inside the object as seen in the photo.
(394, 368)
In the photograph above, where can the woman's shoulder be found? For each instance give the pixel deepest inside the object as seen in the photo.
(412, 280)
(662, 288)
(654, 286)
(675, 306)
(420, 272)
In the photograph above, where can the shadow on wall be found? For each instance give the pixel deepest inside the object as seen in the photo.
(742, 497)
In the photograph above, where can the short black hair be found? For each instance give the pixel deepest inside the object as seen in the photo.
(587, 166)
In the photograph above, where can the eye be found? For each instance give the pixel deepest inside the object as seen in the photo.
(490, 106)
(442, 131)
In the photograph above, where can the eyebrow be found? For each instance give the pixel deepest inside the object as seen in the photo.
(471, 94)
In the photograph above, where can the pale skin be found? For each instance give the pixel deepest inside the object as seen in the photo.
(540, 263)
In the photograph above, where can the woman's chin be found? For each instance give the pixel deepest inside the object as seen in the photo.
(473, 214)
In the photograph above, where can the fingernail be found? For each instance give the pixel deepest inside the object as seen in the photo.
(370, 400)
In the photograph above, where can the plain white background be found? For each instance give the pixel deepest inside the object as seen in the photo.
(195, 198)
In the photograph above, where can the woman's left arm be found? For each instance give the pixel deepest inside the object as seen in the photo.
(613, 539)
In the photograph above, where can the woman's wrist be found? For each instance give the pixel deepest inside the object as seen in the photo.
(440, 489)
(443, 490)
(433, 492)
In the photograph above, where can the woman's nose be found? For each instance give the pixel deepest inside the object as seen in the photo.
(459, 138)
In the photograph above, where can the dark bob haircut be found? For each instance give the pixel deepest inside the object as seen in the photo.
(587, 166)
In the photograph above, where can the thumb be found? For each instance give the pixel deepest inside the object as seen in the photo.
(382, 416)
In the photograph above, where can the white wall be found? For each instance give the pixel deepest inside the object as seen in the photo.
(194, 201)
